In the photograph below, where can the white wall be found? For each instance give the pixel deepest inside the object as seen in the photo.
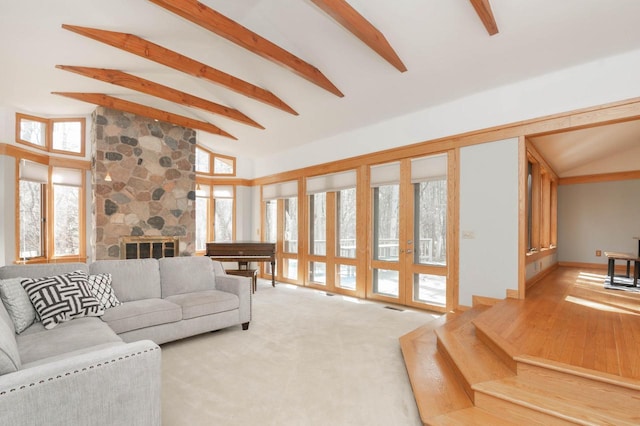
(597, 216)
(488, 220)
(594, 83)
(7, 209)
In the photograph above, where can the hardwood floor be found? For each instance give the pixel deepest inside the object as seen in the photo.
(567, 354)
(570, 318)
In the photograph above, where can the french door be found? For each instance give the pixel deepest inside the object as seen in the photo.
(409, 256)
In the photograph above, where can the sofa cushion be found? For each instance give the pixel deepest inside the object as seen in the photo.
(17, 302)
(141, 313)
(61, 298)
(131, 279)
(186, 274)
(206, 302)
(100, 286)
(41, 270)
(37, 343)
(9, 355)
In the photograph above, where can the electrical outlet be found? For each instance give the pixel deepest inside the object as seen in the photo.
(598, 253)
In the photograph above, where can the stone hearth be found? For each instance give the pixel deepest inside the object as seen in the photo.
(143, 181)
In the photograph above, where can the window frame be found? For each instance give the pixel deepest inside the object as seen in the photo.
(212, 157)
(211, 207)
(48, 212)
(49, 124)
(541, 207)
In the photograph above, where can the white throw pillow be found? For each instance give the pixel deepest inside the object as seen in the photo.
(17, 302)
(100, 286)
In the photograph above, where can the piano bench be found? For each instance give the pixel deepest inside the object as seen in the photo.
(251, 273)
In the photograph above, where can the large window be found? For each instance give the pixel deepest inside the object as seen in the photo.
(280, 225)
(215, 216)
(65, 135)
(541, 204)
(51, 212)
(210, 163)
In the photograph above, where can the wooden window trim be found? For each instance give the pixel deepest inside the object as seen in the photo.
(48, 214)
(212, 157)
(48, 142)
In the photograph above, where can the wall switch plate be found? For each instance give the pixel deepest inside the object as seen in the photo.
(468, 235)
(598, 253)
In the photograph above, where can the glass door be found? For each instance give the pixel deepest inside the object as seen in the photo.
(409, 232)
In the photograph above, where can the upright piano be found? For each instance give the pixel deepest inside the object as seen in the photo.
(244, 252)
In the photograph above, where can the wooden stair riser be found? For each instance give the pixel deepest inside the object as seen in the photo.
(591, 387)
(497, 349)
(442, 350)
(517, 413)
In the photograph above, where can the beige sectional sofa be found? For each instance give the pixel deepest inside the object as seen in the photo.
(105, 370)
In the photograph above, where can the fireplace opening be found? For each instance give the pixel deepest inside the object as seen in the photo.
(146, 247)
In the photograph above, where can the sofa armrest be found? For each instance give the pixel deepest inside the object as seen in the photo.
(119, 385)
(241, 287)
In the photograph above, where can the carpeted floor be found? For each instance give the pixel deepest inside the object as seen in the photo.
(307, 359)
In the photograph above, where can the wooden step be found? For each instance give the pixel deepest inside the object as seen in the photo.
(471, 360)
(517, 398)
(471, 417)
(435, 387)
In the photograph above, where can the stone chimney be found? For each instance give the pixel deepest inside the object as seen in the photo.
(143, 181)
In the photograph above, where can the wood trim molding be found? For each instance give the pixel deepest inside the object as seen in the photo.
(160, 91)
(483, 9)
(532, 257)
(145, 49)
(522, 215)
(542, 274)
(225, 27)
(540, 159)
(139, 109)
(483, 300)
(613, 112)
(207, 180)
(604, 177)
(359, 26)
(18, 152)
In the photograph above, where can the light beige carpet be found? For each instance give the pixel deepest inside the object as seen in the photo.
(307, 359)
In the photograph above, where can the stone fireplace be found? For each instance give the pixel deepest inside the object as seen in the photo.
(143, 182)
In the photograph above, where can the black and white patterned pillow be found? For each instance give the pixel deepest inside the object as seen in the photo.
(62, 297)
(100, 286)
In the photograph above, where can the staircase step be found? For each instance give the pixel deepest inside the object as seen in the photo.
(435, 387)
(522, 398)
(470, 358)
(471, 417)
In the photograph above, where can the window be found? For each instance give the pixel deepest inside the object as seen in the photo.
(223, 213)
(541, 204)
(214, 214)
(209, 163)
(65, 135)
(203, 206)
(50, 227)
(280, 224)
(67, 197)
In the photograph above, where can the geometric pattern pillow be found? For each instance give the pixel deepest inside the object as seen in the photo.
(100, 286)
(17, 302)
(62, 297)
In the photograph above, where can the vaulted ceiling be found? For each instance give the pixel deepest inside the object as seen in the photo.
(266, 75)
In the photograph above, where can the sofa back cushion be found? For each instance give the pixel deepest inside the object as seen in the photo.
(41, 270)
(9, 355)
(131, 279)
(186, 274)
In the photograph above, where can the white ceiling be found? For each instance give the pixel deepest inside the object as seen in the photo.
(444, 45)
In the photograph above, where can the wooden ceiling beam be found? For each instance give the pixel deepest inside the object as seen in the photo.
(359, 26)
(483, 9)
(219, 24)
(143, 48)
(146, 111)
(160, 91)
